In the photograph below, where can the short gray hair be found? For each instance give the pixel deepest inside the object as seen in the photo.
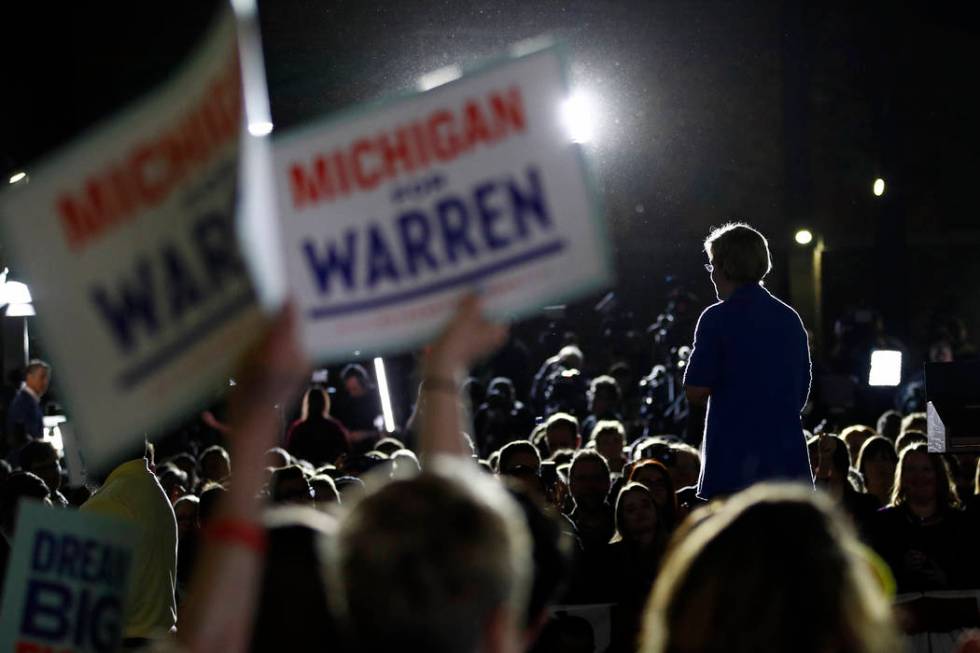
(422, 564)
(740, 252)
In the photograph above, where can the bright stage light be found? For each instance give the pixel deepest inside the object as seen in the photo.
(18, 176)
(379, 371)
(879, 187)
(578, 114)
(886, 368)
(260, 128)
(804, 237)
(15, 292)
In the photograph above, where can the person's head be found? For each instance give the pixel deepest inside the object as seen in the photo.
(289, 485)
(637, 518)
(840, 460)
(324, 492)
(588, 480)
(609, 437)
(501, 393)
(909, 438)
(876, 462)
(520, 460)
(210, 498)
(687, 465)
(39, 457)
(215, 464)
(438, 563)
(915, 422)
(187, 464)
(404, 464)
(941, 351)
(187, 510)
(37, 376)
(172, 480)
(774, 568)
(19, 486)
(923, 478)
(561, 432)
(890, 424)
(654, 475)
(389, 446)
(604, 395)
(737, 255)
(855, 436)
(316, 403)
(571, 357)
(355, 379)
(277, 457)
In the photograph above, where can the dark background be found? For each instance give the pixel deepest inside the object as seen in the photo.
(781, 114)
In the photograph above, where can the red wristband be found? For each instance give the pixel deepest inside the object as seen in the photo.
(241, 533)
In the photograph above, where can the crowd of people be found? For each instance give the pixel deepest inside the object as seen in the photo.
(499, 506)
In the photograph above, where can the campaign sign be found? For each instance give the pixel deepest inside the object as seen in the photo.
(390, 214)
(127, 241)
(66, 583)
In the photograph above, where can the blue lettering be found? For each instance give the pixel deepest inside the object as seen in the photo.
(415, 234)
(135, 305)
(380, 262)
(46, 609)
(488, 216)
(106, 623)
(454, 222)
(216, 248)
(68, 558)
(182, 291)
(529, 202)
(336, 261)
(44, 551)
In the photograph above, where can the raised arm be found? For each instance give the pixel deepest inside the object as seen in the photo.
(224, 591)
(468, 337)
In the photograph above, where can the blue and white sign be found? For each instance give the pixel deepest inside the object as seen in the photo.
(66, 582)
(390, 214)
(127, 239)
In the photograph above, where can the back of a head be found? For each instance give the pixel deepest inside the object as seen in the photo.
(890, 424)
(423, 564)
(740, 252)
(775, 568)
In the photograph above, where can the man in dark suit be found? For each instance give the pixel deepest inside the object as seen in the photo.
(24, 415)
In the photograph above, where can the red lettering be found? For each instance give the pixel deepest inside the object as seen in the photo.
(508, 110)
(364, 180)
(445, 142)
(475, 127)
(310, 188)
(397, 153)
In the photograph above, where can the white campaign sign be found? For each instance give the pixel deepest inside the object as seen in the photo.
(389, 215)
(127, 240)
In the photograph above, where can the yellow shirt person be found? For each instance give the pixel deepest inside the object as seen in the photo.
(133, 493)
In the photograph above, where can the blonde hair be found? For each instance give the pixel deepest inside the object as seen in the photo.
(739, 252)
(774, 568)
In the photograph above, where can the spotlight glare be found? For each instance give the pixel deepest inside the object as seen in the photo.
(260, 128)
(389, 416)
(879, 187)
(886, 368)
(18, 176)
(578, 116)
(804, 237)
(439, 77)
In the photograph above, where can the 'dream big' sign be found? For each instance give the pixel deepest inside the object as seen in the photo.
(128, 243)
(66, 584)
(390, 215)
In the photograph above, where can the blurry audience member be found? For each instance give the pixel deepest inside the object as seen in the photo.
(605, 404)
(778, 546)
(40, 458)
(501, 418)
(25, 419)
(687, 465)
(404, 464)
(277, 457)
(609, 437)
(654, 475)
(915, 422)
(877, 462)
(289, 485)
(172, 480)
(923, 535)
(588, 482)
(325, 493)
(186, 463)
(360, 404)
(389, 445)
(561, 432)
(215, 465)
(317, 437)
(211, 495)
(833, 467)
(855, 436)
(909, 438)
(131, 492)
(890, 425)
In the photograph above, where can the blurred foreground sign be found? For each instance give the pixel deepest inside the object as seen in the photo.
(66, 582)
(391, 213)
(127, 240)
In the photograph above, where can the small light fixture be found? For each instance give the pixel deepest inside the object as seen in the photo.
(879, 187)
(804, 237)
(18, 177)
(886, 368)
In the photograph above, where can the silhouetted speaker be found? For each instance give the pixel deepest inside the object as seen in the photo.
(953, 406)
